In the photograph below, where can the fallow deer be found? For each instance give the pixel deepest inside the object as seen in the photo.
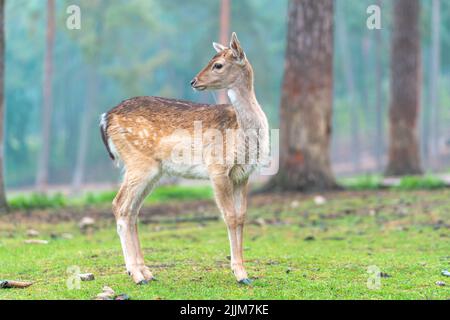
(142, 132)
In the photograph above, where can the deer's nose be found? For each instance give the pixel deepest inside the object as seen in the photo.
(193, 81)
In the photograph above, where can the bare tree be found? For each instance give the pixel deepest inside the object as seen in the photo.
(43, 161)
(224, 36)
(404, 155)
(306, 103)
(3, 203)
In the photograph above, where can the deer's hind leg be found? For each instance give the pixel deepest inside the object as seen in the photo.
(126, 205)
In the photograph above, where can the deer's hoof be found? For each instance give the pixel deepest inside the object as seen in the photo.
(245, 281)
(142, 282)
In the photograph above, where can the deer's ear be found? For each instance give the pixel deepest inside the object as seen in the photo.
(235, 46)
(218, 47)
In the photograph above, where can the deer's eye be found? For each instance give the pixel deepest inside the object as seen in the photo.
(218, 66)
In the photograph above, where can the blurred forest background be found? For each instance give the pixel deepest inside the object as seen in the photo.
(128, 48)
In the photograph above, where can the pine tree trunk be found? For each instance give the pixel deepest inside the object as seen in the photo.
(91, 108)
(3, 203)
(306, 103)
(379, 103)
(43, 161)
(85, 132)
(406, 71)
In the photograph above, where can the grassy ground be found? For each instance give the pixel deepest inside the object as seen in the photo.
(58, 200)
(294, 249)
(166, 193)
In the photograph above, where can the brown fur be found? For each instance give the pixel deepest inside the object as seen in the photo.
(137, 126)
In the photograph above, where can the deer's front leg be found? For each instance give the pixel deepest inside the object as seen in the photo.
(240, 204)
(224, 194)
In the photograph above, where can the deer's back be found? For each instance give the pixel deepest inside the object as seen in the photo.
(148, 127)
(166, 114)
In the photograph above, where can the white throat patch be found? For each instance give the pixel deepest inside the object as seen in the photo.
(232, 95)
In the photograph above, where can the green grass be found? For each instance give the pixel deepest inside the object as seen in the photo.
(417, 183)
(375, 182)
(37, 201)
(177, 193)
(58, 200)
(401, 233)
(365, 182)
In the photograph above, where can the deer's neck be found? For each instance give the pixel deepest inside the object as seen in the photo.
(248, 111)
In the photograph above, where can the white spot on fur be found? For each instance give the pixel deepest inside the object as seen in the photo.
(103, 121)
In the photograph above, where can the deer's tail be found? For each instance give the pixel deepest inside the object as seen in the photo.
(103, 130)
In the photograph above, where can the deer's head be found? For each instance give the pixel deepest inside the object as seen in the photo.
(226, 69)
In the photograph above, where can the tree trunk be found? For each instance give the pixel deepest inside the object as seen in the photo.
(406, 71)
(224, 39)
(352, 98)
(91, 102)
(3, 203)
(434, 81)
(43, 164)
(379, 106)
(85, 133)
(306, 102)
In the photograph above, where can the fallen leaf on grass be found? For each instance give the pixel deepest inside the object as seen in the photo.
(35, 241)
(32, 233)
(334, 238)
(8, 284)
(65, 236)
(440, 283)
(109, 294)
(295, 204)
(445, 273)
(87, 225)
(319, 200)
(259, 222)
(86, 277)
